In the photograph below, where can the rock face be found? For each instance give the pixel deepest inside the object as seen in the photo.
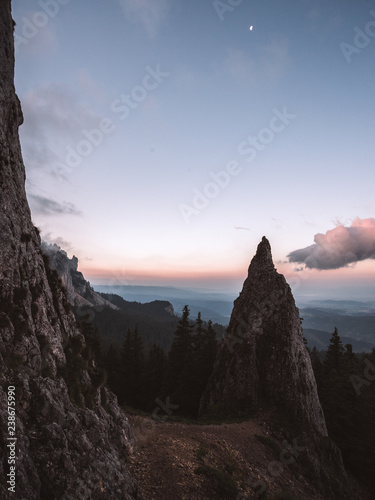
(72, 438)
(263, 366)
(263, 357)
(79, 291)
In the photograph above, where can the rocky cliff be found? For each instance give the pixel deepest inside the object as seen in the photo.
(79, 291)
(263, 367)
(72, 438)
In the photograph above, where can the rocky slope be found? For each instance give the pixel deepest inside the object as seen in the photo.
(72, 438)
(263, 366)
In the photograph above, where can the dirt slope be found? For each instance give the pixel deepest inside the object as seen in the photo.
(174, 460)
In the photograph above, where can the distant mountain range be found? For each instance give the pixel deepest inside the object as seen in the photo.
(355, 320)
(155, 308)
(214, 306)
(112, 314)
(320, 340)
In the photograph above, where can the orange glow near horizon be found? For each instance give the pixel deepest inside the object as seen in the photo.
(361, 273)
(162, 275)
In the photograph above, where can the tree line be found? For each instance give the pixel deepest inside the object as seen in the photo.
(346, 388)
(345, 381)
(139, 376)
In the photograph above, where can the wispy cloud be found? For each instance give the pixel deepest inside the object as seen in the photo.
(54, 118)
(324, 18)
(151, 14)
(45, 206)
(339, 247)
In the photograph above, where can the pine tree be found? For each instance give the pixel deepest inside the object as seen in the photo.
(155, 373)
(94, 344)
(126, 375)
(317, 365)
(199, 330)
(206, 347)
(349, 414)
(180, 362)
(132, 369)
(112, 365)
(208, 352)
(138, 367)
(335, 353)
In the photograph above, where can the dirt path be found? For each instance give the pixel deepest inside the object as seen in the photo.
(174, 460)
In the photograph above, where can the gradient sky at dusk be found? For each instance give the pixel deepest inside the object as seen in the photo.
(200, 84)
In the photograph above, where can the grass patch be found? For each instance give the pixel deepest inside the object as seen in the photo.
(226, 486)
(201, 452)
(271, 443)
(230, 462)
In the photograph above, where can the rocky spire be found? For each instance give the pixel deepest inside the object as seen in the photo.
(263, 366)
(262, 260)
(72, 438)
(263, 359)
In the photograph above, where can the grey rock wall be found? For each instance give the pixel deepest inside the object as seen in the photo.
(67, 447)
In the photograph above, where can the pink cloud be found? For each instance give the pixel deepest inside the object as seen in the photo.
(339, 247)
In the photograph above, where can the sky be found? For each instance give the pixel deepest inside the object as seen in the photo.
(163, 138)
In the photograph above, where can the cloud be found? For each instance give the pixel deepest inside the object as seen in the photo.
(59, 241)
(53, 119)
(339, 247)
(150, 13)
(42, 41)
(45, 206)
